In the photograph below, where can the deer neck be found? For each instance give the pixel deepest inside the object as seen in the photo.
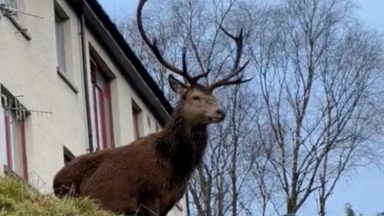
(182, 144)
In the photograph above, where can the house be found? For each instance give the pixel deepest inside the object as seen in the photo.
(70, 84)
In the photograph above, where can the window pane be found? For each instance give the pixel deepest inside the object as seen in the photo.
(137, 120)
(16, 146)
(108, 121)
(135, 126)
(60, 43)
(99, 143)
(3, 149)
(12, 3)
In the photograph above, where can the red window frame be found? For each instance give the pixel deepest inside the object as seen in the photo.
(136, 115)
(8, 139)
(22, 143)
(136, 125)
(102, 118)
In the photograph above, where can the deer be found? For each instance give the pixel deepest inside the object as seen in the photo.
(153, 171)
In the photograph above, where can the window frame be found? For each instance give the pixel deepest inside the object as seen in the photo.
(137, 120)
(62, 18)
(13, 110)
(64, 61)
(61, 52)
(101, 90)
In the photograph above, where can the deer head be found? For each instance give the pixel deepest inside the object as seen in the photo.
(198, 104)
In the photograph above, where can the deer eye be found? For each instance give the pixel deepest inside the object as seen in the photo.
(196, 98)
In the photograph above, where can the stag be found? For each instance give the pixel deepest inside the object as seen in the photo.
(153, 171)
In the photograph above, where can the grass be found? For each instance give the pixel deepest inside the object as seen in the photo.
(17, 200)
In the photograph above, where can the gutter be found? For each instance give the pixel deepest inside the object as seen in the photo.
(85, 77)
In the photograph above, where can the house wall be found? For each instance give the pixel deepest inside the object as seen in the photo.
(28, 68)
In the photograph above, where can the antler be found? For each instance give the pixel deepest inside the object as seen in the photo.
(155, 50)
(236, 70)
(227, 80)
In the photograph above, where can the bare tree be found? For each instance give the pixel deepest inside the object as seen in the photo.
(350, 111)
(310, 114)
(221, 185)
(315, 79)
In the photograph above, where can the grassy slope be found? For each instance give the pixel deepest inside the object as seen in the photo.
(16, 199)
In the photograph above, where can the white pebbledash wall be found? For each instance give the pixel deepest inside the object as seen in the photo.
(28, 68)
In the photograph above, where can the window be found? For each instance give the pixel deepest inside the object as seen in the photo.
(102, 107)
(60, 22)
(157, 127)
(68, 156)
(12, 3)
(9, 7)
(137, 120)
(12, 131)
(64, 58)
(149, 122)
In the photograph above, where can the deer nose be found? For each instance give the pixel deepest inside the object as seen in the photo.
(220, 113)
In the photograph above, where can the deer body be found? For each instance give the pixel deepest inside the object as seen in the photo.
(152, 172)
(156, 179)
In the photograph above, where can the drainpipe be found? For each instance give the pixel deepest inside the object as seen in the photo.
(85, 77)
(187, 201)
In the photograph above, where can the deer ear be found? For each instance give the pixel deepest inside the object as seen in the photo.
(177, 86)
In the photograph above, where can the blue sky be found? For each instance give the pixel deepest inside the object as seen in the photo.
(365, 189)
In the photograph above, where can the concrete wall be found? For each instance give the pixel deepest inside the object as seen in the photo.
(28, 68)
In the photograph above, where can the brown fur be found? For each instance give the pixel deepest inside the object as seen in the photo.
(152, 171)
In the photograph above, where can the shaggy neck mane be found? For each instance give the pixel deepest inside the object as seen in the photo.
(183, 145)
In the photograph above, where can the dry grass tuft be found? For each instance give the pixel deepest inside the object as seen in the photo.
(17, 200)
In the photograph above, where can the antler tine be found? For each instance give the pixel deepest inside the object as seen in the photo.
(155, 50)
(227, 80)
(184, 59)
(202, 75)
(236, 69)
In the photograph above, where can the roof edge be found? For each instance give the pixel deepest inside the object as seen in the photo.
(111, 28)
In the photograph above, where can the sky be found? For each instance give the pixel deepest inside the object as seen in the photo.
(364, 190)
